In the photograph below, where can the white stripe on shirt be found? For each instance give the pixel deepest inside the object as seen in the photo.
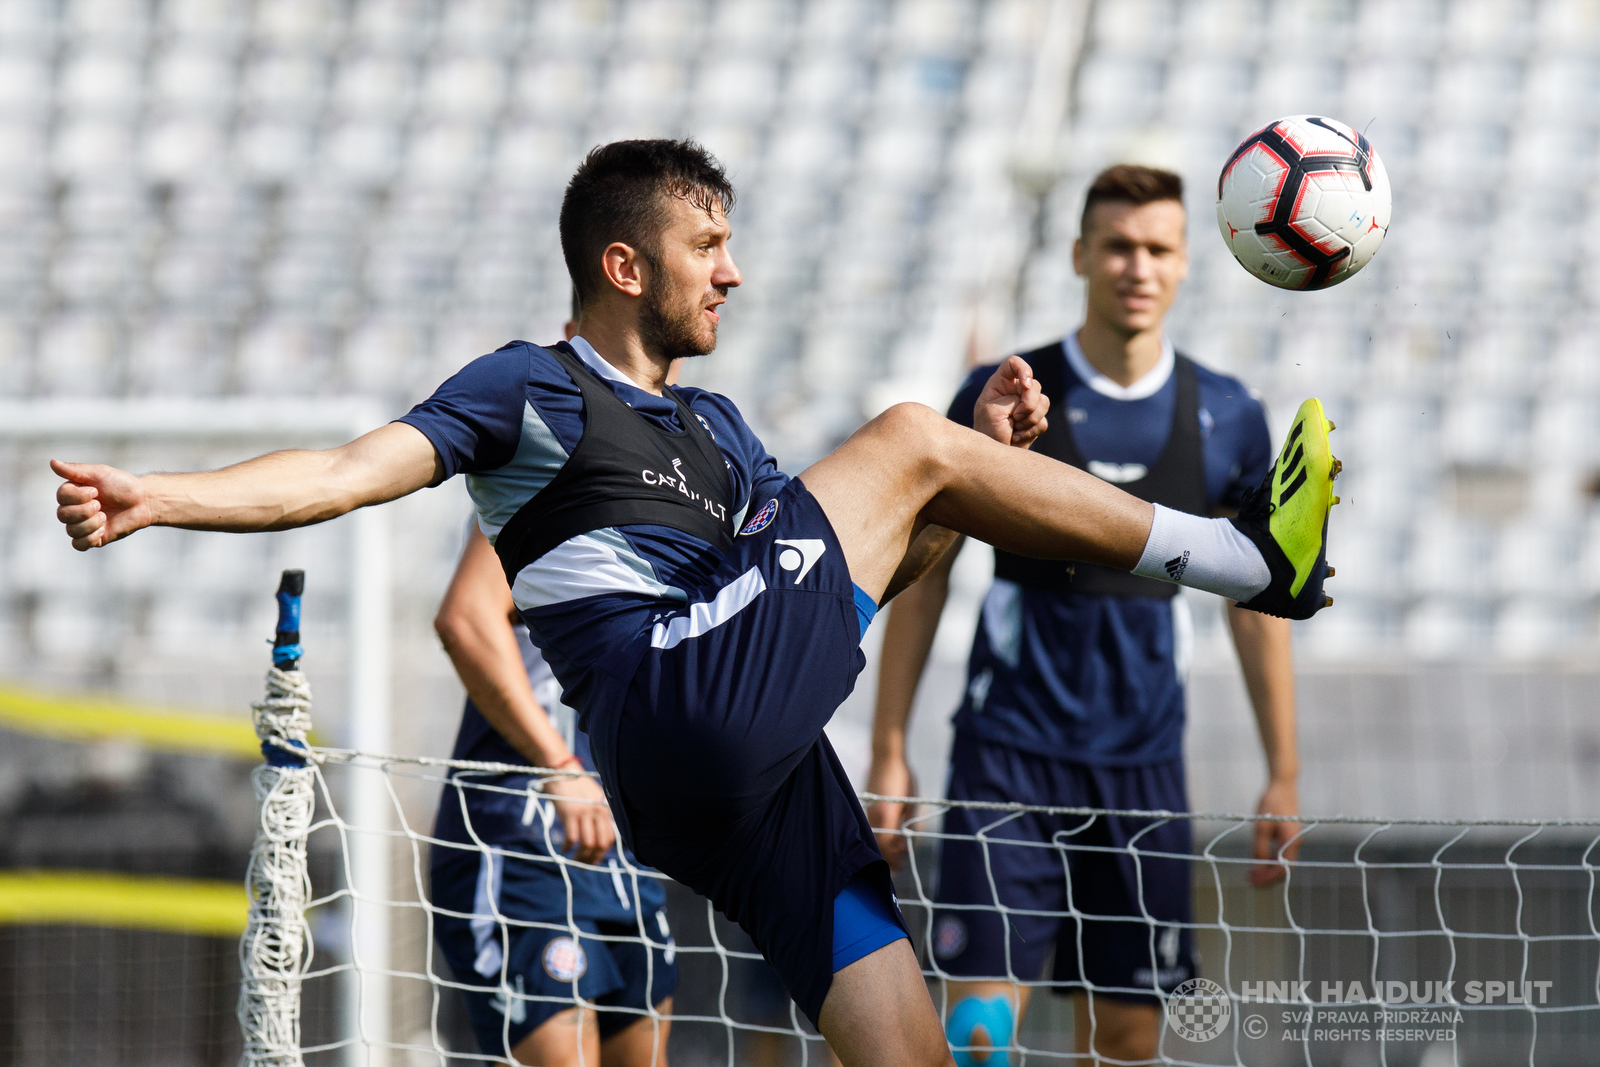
(590, 564)
(703, 618)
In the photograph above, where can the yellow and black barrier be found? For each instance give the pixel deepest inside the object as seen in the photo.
(122, 901)
(68, 717)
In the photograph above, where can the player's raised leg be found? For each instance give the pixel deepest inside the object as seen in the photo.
(911, 466)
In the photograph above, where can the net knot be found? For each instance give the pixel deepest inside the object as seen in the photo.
(284, 714)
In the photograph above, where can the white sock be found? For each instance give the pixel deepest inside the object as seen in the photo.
(1207, 554)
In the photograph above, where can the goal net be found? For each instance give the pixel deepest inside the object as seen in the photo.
(1394, 942)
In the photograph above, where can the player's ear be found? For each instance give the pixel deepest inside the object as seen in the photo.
(1080, 265)
(623, 267)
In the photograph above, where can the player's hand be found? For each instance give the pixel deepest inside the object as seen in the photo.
(890, 778)
(100, 504)
(1012, 407)
(1273, 835)
(585, 816)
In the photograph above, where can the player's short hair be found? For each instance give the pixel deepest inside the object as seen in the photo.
(618, 193)
(1130, 183)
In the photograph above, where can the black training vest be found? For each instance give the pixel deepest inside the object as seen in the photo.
(1177, 480)
(624, 472)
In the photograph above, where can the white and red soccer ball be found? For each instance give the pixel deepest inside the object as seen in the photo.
(1303, 202)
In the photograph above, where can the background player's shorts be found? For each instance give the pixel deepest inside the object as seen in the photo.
(717, 765)
(1122, 954)
(523, 970)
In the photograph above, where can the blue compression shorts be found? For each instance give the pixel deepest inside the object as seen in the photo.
(862, 922)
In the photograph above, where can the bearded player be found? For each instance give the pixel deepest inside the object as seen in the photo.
(701, 610)
(1075, 686)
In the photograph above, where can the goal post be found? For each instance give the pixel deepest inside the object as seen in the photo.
(279, 423)
(276, 950)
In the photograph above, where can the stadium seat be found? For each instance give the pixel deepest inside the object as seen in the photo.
(209, 200)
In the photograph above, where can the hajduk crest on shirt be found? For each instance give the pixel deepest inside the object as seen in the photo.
(761, 519)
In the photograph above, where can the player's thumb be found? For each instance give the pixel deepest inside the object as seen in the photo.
(72, 472)
(91, 474)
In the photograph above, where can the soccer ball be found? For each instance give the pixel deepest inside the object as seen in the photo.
(1303, 202)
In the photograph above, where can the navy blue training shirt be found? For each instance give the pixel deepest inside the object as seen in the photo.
(1097, 679)
(508, 421)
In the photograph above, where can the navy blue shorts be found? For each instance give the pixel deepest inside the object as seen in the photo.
(1120, 952)
(715, 759)
(511, 943)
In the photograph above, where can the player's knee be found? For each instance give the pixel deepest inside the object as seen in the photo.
(914, 430)
(907, 417)
(977, 1024)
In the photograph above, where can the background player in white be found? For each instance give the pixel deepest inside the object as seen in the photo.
(705, 674)
(1074, 693)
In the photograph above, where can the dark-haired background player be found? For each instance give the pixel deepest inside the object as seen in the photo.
(1075, 686)
(704, 666)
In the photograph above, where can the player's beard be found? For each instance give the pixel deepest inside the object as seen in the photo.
(673, 326)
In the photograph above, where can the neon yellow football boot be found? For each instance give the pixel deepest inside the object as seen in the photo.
(1287, 518)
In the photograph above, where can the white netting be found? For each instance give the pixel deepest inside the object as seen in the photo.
(1425, 943)
(276, 947)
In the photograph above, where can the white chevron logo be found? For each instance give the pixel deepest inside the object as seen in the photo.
(800, 555)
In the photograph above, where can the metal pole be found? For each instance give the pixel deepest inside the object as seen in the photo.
(369, 809)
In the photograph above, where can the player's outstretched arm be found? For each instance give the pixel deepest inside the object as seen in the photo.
(279, 491)
(474, 623)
